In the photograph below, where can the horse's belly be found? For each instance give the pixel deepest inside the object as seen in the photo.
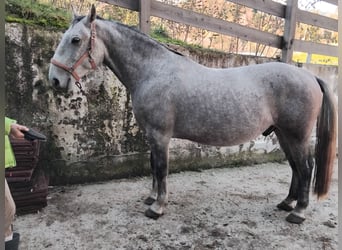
(221, 136)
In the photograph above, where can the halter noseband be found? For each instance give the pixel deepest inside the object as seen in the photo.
(86, 54)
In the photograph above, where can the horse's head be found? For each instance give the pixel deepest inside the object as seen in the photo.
(78, 52)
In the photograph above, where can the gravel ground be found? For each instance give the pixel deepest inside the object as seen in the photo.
(232, 208)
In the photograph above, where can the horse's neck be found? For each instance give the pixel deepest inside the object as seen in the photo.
(132, 56)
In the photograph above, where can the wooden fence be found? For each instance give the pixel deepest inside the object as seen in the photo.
(290, 12)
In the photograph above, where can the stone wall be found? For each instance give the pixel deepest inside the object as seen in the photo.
(95, 137)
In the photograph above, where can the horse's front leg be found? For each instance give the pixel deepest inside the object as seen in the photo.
(159, 164)
(154, 192)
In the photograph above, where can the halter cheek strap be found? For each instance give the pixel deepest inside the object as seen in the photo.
(86, 54)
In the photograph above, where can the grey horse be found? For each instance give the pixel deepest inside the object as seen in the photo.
(175, 97)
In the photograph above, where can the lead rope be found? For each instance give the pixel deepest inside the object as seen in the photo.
(78, 84)
(91, 60)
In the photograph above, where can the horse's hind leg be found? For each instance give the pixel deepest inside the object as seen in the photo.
(304, 165)
(154, 192)
(288, 203)
(298, 155)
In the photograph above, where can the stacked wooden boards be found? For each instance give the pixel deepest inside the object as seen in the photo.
(28, 184)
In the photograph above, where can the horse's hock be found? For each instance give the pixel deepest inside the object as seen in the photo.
(95, 137)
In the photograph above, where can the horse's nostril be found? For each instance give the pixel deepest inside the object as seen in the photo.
(55, 82)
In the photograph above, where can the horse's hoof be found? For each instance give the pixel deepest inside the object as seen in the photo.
(284, 206)
(149, 201)
(151, 214)
(295, 219)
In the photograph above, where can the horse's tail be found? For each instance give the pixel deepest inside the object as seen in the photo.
(325, 152)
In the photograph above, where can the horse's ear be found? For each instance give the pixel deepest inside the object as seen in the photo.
(92, 15)
(74, 14)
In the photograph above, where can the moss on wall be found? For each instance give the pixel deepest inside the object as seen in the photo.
(26, 50)
(36, 14)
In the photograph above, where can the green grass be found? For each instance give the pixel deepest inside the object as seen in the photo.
(161, 36)
(33, 13)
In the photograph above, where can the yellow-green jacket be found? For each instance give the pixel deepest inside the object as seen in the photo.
(9, 155)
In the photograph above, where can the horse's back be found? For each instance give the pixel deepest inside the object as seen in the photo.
(228, 106)
(219, 106)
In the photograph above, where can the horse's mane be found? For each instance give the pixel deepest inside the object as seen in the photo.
(133, 28)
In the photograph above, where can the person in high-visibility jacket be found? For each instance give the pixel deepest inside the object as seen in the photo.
(15, 130)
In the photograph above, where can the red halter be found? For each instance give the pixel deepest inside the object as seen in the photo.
(86, 54)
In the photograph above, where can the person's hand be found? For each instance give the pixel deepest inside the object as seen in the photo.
(16, 130)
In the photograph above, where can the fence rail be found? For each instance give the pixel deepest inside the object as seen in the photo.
(290, 12)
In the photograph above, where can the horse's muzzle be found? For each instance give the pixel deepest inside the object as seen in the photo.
(58, 85)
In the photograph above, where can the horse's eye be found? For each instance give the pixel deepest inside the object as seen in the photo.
(75, 40)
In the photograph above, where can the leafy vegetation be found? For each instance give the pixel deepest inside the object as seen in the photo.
(34, 13)
(55, 14)
(160, 34)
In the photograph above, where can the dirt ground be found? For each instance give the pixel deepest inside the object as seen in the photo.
(233, 208)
